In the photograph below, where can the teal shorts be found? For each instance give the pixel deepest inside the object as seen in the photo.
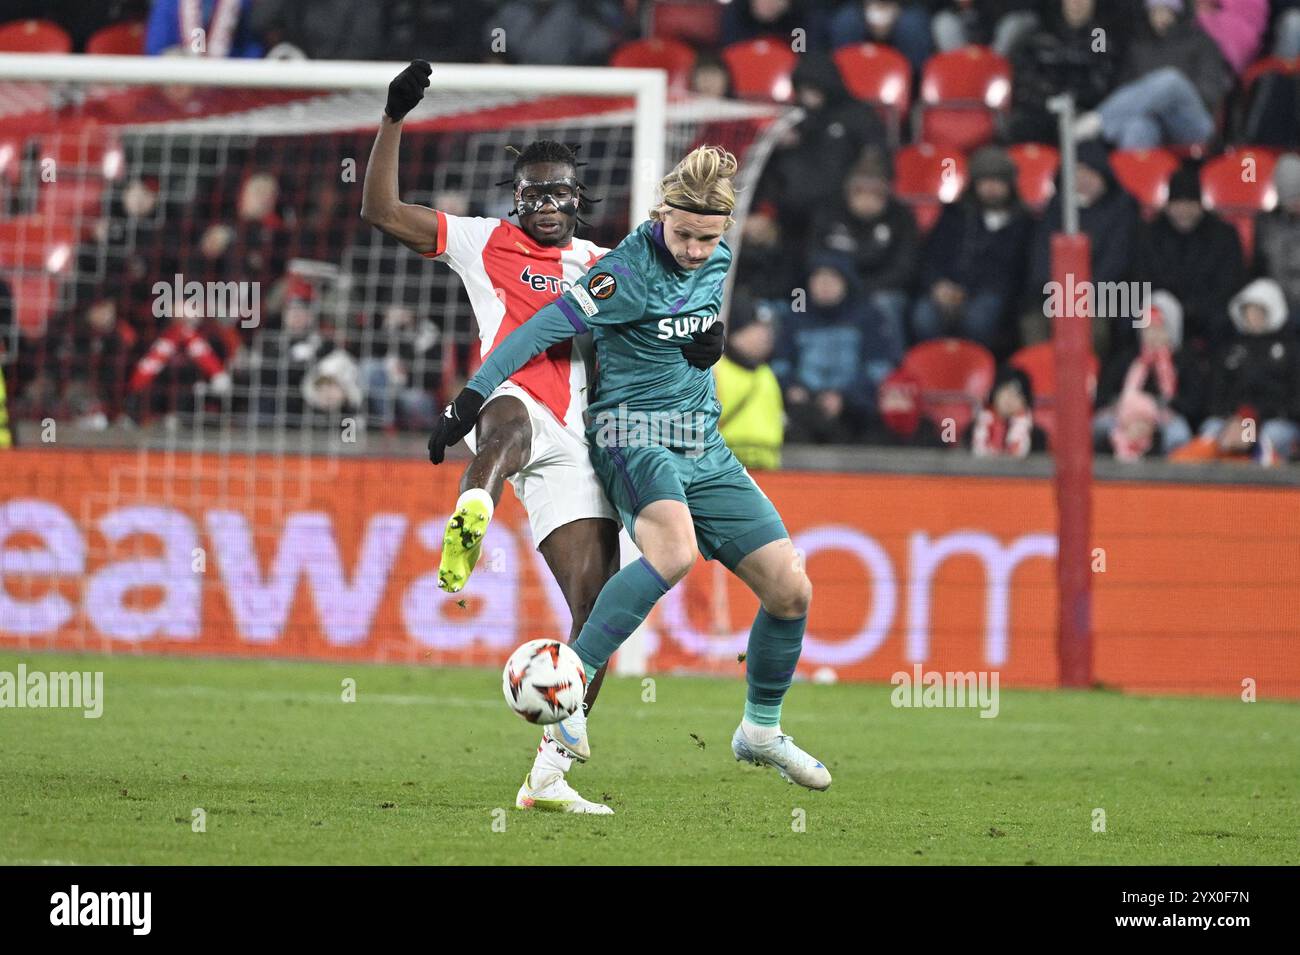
(733, 518)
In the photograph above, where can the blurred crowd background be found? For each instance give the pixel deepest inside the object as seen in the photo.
(890, 286)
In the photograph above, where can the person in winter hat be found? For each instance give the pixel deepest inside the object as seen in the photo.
(1277, 233)
(1255, 401)
(1159, 367)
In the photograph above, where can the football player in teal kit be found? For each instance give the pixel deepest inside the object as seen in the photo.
(678, 488)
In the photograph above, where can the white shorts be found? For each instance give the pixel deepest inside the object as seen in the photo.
(557, 485)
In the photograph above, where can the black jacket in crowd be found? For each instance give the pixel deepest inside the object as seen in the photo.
(885, 248)
(1261, 372)
(1202, 268)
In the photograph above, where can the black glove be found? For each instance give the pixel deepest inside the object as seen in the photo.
(457, 421)
(406, 91)
(705, 348)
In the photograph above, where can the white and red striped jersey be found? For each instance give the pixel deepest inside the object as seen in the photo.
(508, 278)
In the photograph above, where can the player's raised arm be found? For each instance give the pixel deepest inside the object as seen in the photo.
(415, 226)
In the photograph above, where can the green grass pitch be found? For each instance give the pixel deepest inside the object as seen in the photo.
(417, 768)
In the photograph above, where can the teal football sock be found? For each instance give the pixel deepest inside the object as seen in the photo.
(774, 646)
(624, 602)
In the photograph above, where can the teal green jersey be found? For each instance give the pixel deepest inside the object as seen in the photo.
(641, 307)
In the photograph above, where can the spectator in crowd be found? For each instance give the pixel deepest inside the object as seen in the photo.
(830, 357)
(905, 26)
(194, 350)
(807, 168)
(440, 31)
(323, 29)
(766, 267)
(397, 370)
(1110, 218)
(1277, 233)
(880, 233)
(1135, 432)
(217, 28)
(971, 266)
(1286, 28)
(752, 19)
(1196, 256)
(1062, 57)
(710, 77)
(333, 384)
(1158, 367)
(554, 32)
(1000, 24)
(1173, 83)
(92, 352)
(1005, 427)
(1255, 401)
(1236, 27)
(753, 419)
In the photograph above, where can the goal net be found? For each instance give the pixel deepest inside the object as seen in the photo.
(185, 276)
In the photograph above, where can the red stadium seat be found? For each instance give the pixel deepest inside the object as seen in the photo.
(697, 22)
(879, 75)
(926, 176)
(34, 242)
(34, 36)
(761, 69)
(674, 58)
(955, 377)
(121, 39)
(1144, 174)
(1036, 167)
(1237, 185)
(1039, 363)
(34, 297)
(1269, 64)
(963, 94)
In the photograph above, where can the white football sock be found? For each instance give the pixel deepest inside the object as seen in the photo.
(759, 734)
(477, 494)
(550, 758)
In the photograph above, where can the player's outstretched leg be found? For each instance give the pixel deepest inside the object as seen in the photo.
(505, 437)
(775, 573)
(582, 556)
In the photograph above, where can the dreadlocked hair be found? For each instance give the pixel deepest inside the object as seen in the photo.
(548, 150)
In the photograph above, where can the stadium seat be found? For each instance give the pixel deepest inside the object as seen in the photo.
(963, 94)
(34, 36)
(1144, 174)
(121, 39)
(879, 75)
(1266, 65)
(761, 69)
(1036, 167)
(1039, 363)
(955, 377)
(927, 176)
(673, 57)
(33, 297)
(33, 243)
(697, 22)
(1237, 185)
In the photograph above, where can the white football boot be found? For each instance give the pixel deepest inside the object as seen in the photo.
(570, 734)
(553, 794)
(790, 761)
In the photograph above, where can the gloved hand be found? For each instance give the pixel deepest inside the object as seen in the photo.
(457, 421)
(705, 348)
(406, 91)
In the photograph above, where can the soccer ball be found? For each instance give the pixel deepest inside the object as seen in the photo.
(544, 681)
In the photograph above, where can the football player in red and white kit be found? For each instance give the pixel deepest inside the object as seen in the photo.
(530, 430)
